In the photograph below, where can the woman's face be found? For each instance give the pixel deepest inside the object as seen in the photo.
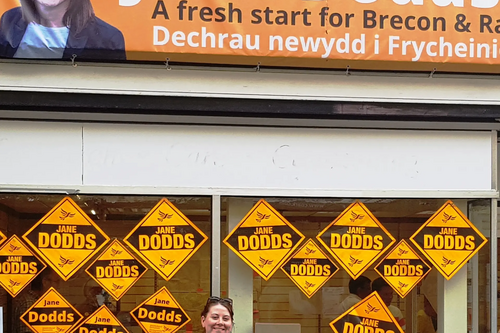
(218, 320)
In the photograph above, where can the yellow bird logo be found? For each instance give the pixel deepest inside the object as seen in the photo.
(165, 262)
(354, 261)
(264, 262)
(356, 217)
(13, 284)
(116, 287)
(447, 262)
(401, 252)
(448, 217)
(64, 261)
(66, 215)
(309, 285)
(309, 251)
(402, 286)
(164, 216)
(261, 217)
(370, 309)
(13, 248)
(115, 252)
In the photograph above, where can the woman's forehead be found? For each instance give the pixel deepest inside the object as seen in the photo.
(219, 309)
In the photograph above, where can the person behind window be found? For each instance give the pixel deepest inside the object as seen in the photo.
(386, 293)
(218, 316)
(427, 318)
(358, 289)
(58, 29)
(39, 286)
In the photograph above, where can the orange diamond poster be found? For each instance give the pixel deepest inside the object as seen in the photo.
(166, 239)
(309, 268)
(51, 313)
(116, 269)
(370, 315)
(356, 239)
(402, 268)
(448, 239)
(160, 313)
(264, 239)
(66, 238)
(18, 266)
(101, 321)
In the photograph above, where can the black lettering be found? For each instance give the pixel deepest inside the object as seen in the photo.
(204, 12)
(256, 15)
(369, 19)
(219, 12)
(160, 9)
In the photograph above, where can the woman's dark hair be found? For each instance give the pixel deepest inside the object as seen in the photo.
(214, 300)
(78, 14)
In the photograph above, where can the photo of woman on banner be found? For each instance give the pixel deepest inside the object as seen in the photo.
(58, 29)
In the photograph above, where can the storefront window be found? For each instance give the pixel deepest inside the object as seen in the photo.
(279, 304)
(116, 216)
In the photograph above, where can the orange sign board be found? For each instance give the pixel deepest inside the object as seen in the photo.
(116, 269)
(160, 313)
(448, 239)
(18, 266)
(356, 239)
(264, 239)
(309, 268)
(66, 238)
(432, 32)
(402, 268)
(370, 315)
(166, 239)
(51, 313)
(101, 321)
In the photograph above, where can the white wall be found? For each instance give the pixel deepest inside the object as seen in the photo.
(225, 158)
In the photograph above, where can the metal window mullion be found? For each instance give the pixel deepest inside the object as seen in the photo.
(493, 266)
(216, 246)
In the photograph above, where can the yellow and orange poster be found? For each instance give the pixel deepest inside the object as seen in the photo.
(264, 239)
(409, 31)
(66, 237)
(448, 239)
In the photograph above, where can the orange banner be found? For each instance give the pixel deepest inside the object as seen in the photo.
(410, 31)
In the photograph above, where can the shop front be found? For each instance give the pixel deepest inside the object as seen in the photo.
(278, 155)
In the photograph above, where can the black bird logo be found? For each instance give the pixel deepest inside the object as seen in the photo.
(116, 287)
(402, 285)
(447, 262)
(165, 262)
(309, 285)
(401, 252)
(64, 261)
(166, 329)
(264, 262)
(356, 217)
(354, 261)
(66, 215)
(115, 252)
(448, 217)
(309, 251)
(60, 330)
(13, 284)
(261, 217)
(164, 216)
(370, 308)
(13, 248)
